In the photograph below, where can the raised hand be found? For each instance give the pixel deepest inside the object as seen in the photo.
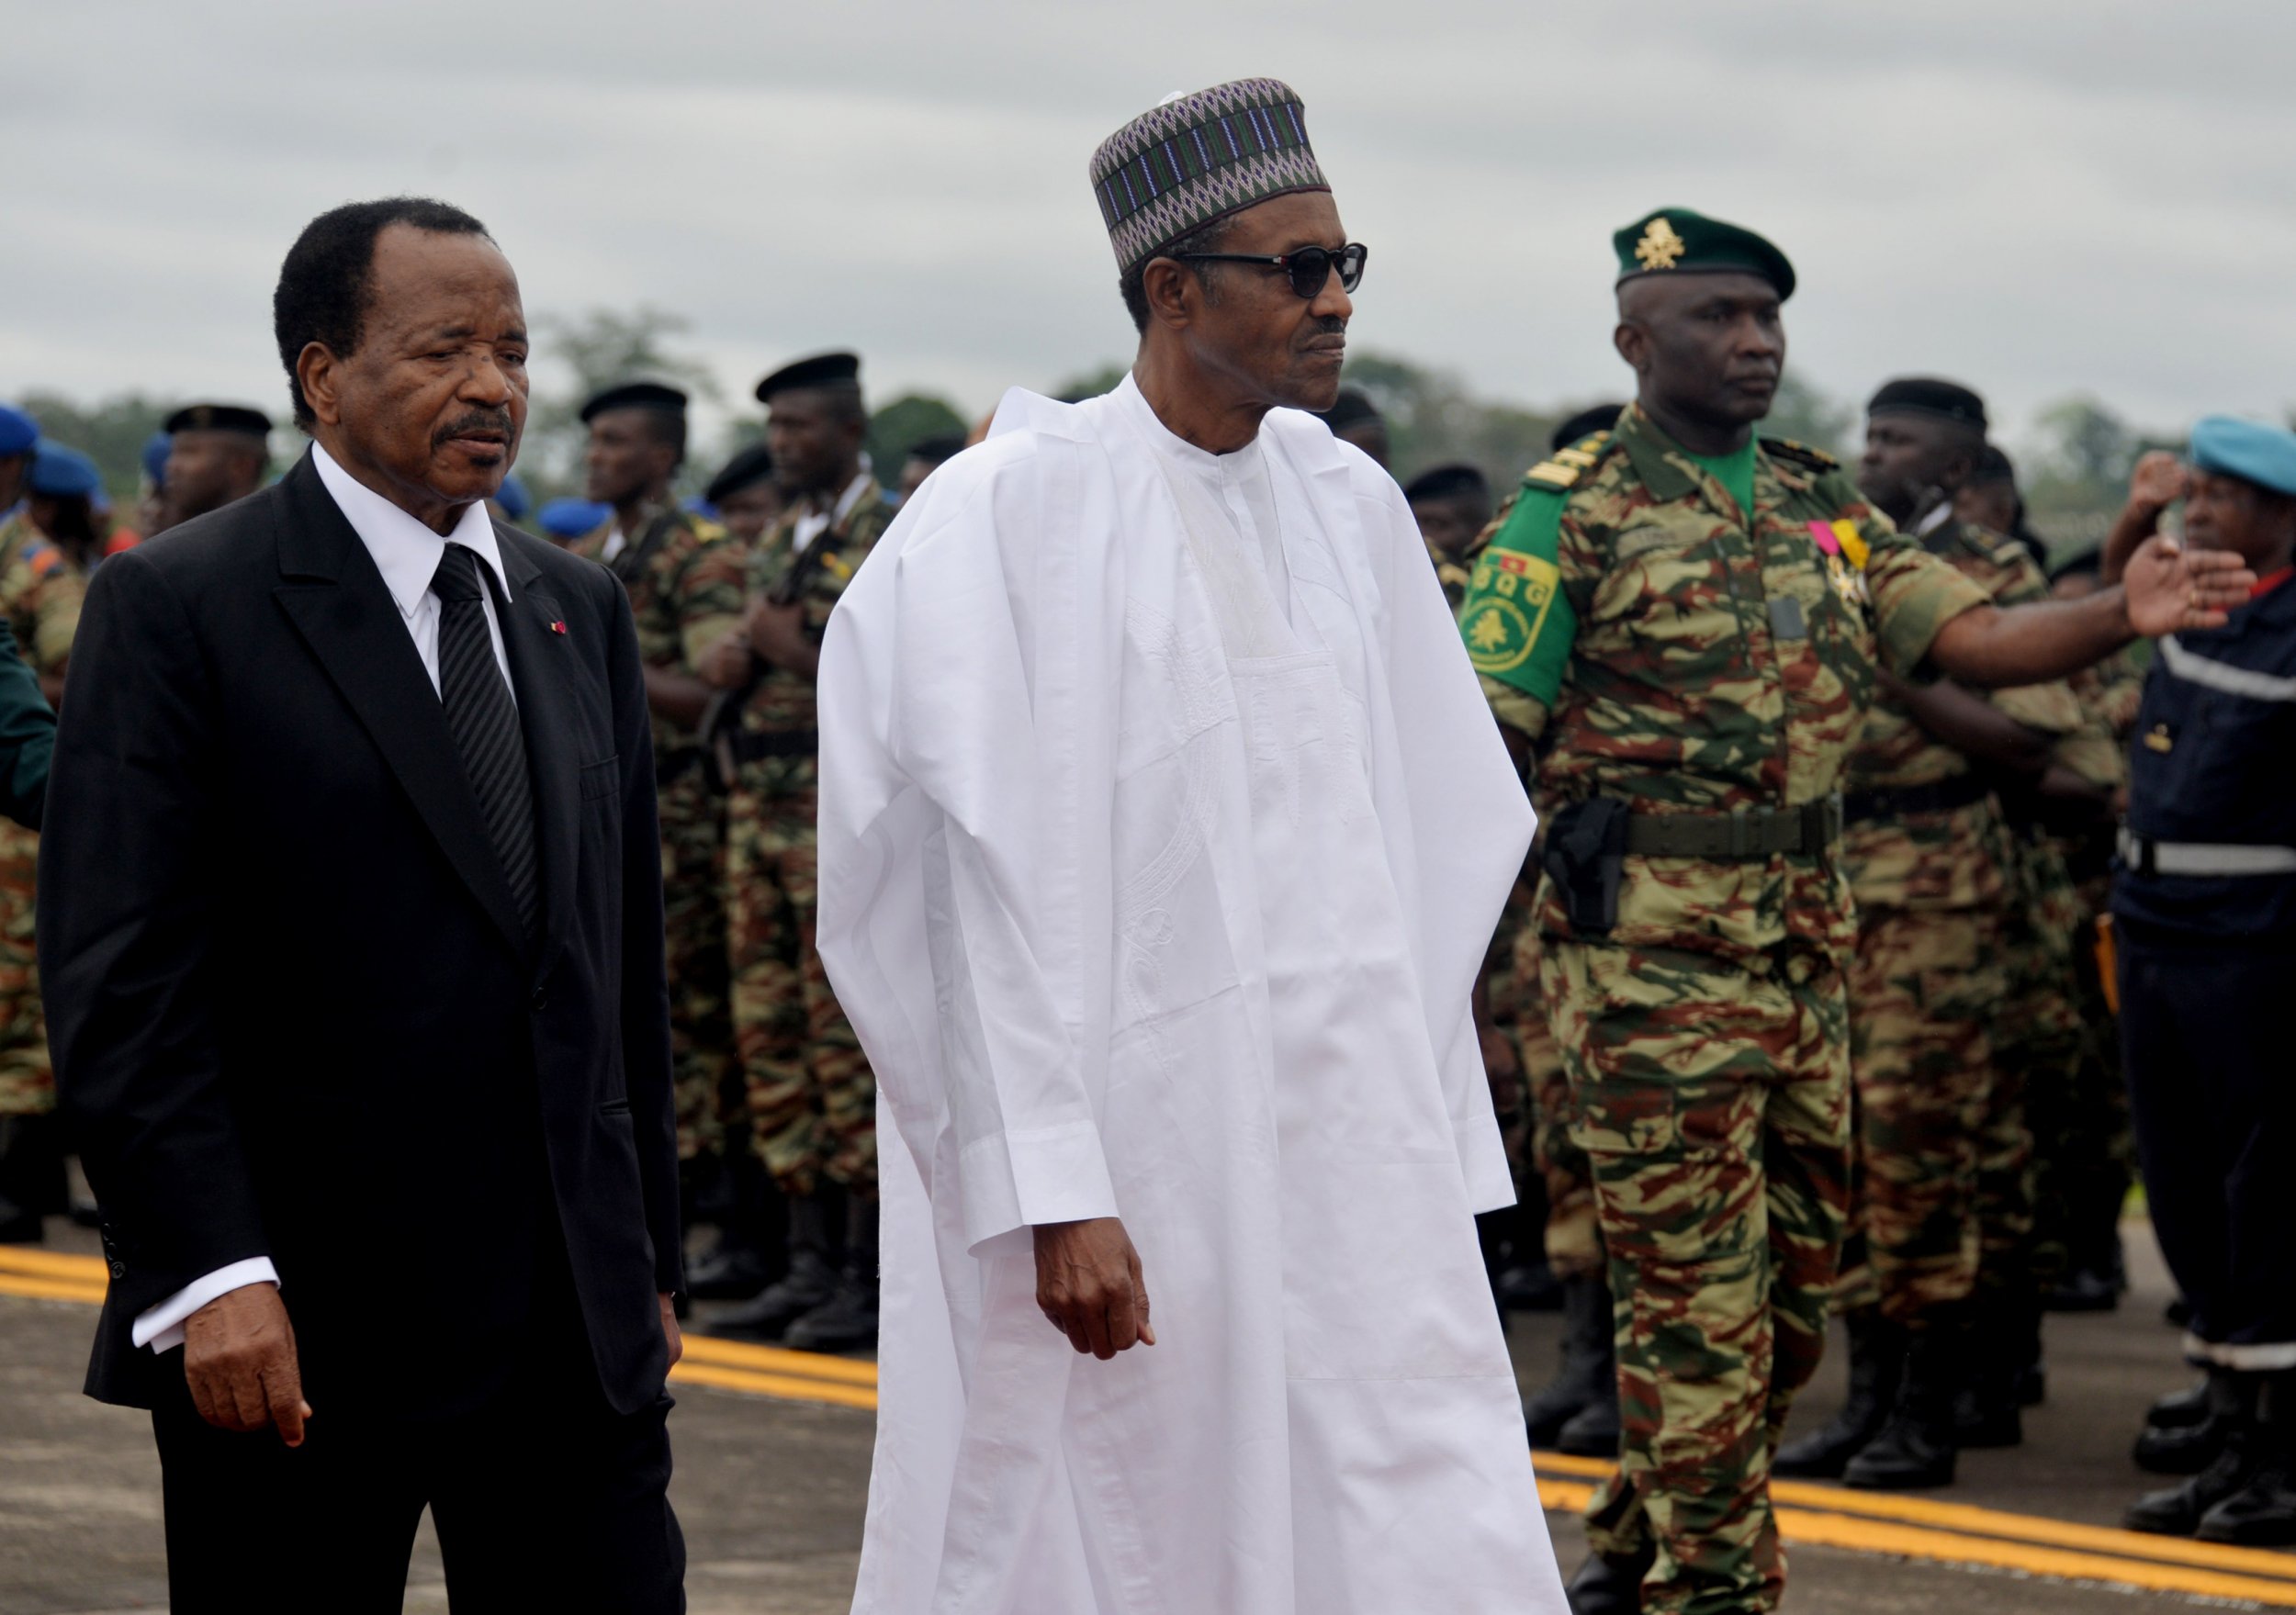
(2172, 587)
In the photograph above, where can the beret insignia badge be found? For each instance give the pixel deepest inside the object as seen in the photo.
(1659, 247)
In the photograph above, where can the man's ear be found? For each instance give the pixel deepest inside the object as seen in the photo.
(320, 371)
(1633, 343)
(1171, 292)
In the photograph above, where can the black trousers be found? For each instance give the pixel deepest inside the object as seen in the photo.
(2211, 1057)
(544, 1498)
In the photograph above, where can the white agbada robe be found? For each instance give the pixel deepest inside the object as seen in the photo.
(1163, 831)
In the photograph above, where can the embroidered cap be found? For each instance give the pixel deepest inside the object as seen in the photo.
(1198, 158)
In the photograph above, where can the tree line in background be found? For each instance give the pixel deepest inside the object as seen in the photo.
(2073, 467)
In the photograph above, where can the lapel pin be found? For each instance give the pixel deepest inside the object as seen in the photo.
(557, 628)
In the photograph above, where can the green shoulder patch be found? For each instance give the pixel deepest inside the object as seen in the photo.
(1518, 621)
(1800, 453)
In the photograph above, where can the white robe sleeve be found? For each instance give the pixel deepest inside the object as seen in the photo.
(948, 886)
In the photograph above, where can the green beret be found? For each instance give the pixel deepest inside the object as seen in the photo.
(1675, 239)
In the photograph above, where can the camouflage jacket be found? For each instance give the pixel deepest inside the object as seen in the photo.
(39, 594)
(1719, 662)
(684, 578)
(778, 702)
(1952, 858)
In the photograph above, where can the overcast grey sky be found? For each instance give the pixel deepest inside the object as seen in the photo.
(2036, 197)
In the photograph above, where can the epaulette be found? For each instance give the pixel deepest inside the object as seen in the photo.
(1563, 469)
(1802, 455)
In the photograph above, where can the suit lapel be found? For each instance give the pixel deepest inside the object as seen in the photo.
(332, 592)
(533, 633)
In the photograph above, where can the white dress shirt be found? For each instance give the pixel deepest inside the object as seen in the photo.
(407, 553)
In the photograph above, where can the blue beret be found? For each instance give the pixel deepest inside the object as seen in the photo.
(513, 498)
(59, 472)
(18, 432)
(155, 451)
(2229, 446)
(572, 518)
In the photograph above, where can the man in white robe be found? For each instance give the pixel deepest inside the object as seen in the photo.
(1163, 831)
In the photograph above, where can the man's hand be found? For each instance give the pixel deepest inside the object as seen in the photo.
(2171, 588)
(239, 1361)
(670, 1335)
(2158, 482)
(726, 665)
(778, 634)
(1088, 1284)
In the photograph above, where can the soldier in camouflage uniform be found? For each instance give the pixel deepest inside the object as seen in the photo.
(1939, 1134)
(811, 1098)
(684, 576)
(1687, 626)
(39, 598)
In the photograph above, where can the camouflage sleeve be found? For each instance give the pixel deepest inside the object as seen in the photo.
(1514, 708)
(710, 595)
(2049, 708)
(1915, 595)
(54, 612)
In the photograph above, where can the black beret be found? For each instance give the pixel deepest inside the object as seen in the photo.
(939, 449)
(821, 370)
(746, 469)
(1444, 482)
(636, 395)
(217, 418)
(1992, 465)
(1352, 408)
(1594, 418)
(1922, 395)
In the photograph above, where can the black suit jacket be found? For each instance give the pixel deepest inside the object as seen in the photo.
(292, 1009)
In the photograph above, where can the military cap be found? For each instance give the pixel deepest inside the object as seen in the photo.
(1352, 408)
(62, 472)
(1925, 394)
(156, 448)
(1676, 239)
(1197, 158)
(219, 418)
(18, 432)
(821, 370)
(513, 498)
(939, 449)
(1594, 418)
(1444, 482)
(746, 469)
(571, 518)
(635, 395)
(1992, 465)
(2225, 445)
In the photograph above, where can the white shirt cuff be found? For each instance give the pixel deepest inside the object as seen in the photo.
(161, 1328)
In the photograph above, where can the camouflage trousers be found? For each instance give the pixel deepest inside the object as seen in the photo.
(2084, 1145)
(27, 1084)
(812, 1100)
(1573, 1234)
(2040, 1046)
(1921, 988)
(1713, 1104)
(693, 922)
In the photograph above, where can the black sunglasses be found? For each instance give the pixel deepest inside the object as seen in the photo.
(1308, 267)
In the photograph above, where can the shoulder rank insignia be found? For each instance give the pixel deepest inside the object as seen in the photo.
(1565, 466)
(1517, 620)
(1800, 453)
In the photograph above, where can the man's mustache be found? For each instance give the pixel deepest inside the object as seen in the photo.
(478, 420)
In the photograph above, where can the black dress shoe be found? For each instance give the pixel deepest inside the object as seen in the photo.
(2261, 1514)
(2179, 1409)
(1611, 1584)
(2178, 1510)
(2188, 1445)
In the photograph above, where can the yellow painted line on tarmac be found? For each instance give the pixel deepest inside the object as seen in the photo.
(53, 1264)
(723, 1354)
(786, 1388)
(40, 1289)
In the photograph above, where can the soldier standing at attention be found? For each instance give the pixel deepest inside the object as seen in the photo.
(1924, 844)
(216, 453)
(1687, 626)
(40, 601)
(2205, 922)
(812, 1100)
(684, 580)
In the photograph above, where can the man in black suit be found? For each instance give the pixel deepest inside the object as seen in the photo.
(352, 934)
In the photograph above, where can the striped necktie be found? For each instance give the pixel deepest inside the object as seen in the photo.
(484, 722)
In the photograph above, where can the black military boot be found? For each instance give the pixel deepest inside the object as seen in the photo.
(1588, 1372)
(847, 1322)
(2178, 1510)
(1878, 1364)
(2004, 1347)
(815, 1222)
(1916, 1449)
(1594, 1431)
(2186, 1433)
(2262, 1513)
(1611, 1584)
(742, 1262)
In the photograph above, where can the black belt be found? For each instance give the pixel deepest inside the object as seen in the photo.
(1861, 807)
(750, 746)
(1741, 833)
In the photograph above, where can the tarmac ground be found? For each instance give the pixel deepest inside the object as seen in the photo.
(773, 1453)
